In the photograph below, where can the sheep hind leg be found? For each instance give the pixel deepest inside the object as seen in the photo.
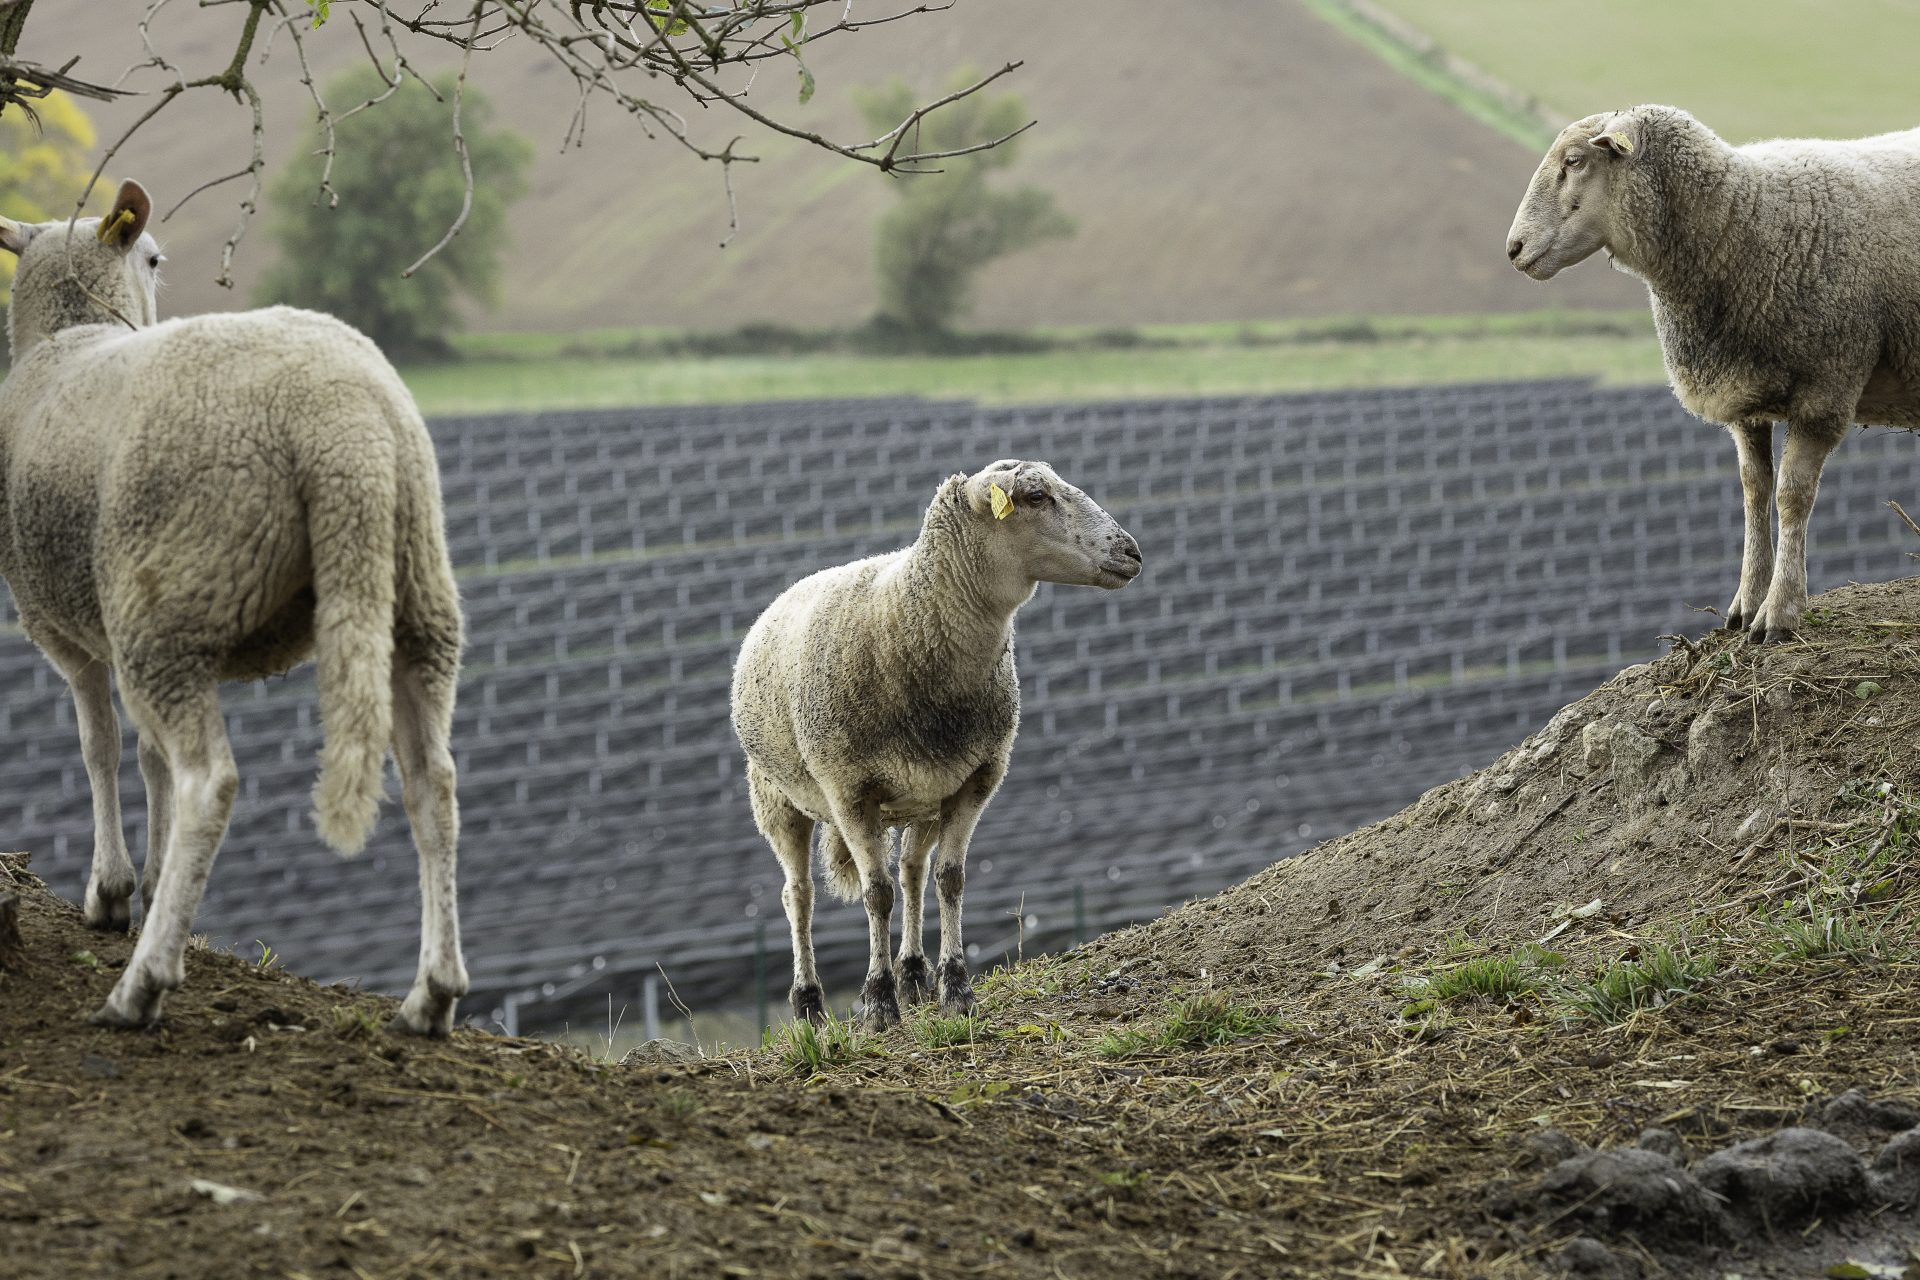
(915, 979)
(159, 783)
(188, 728)
(790, 832)
(422, 733)
(1808, 444)
(109, 896)
(1754, 441)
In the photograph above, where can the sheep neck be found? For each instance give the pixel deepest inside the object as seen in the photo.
(955, 601)
(1696, 212)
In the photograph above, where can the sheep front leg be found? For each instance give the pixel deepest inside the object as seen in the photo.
(1754, 441)
(866, 836)
(790, 832)
(957, 821)
(110, 885)
(1808, 444)
(916, 979)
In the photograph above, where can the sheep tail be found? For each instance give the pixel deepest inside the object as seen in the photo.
(351, 525)
(836, 864)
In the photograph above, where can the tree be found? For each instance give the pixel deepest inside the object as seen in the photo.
(619, 53)
(43, 161)
(949, 224)
(397, 185)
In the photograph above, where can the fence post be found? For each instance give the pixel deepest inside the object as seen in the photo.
(650, 1006)
(760, 973)
(510, 1015)
(1079, 914)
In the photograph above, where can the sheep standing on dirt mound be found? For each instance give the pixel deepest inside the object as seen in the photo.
(218, 498)
(1785, 279)
(882, 694)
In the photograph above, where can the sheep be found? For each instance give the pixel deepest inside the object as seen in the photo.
(1785, 281)
(219, 498)
(881, 694)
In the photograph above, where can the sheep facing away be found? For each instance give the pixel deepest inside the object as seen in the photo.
(882, 694)
(218, 498)
(1785, 279)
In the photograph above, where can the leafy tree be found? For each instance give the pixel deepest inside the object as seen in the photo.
(43, 165)
(948, 225)
(400, 186)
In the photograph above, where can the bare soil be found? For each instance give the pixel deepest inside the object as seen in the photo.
(1353, 1123)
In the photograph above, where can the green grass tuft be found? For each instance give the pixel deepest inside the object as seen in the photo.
(1200, 1022)
(807, 1049)
(934, 1031)
(1660, 976)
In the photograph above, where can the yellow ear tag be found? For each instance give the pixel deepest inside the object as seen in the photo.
(1002, 504)
(109, 228)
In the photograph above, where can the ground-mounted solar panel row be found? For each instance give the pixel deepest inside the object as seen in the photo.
(1349, 597)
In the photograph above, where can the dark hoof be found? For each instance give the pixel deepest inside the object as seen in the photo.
(916, 980)
(1737, 621)
(956, 988)
(809, 1005)
(401, 1025)
(1766, 635)
(879, 1003)
(112, 1016)
(109, 911)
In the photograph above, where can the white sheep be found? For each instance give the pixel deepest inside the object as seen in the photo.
(218, 498)
(882, 694)
(1785, 279)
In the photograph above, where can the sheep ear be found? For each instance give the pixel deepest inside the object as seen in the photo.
(14, 236)
(127, 220)
(1615, 142)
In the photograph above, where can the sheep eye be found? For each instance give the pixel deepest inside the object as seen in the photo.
(1574, 161)
(1039, 497)
(155, 261)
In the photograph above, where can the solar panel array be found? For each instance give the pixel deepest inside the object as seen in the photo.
(1349, 597)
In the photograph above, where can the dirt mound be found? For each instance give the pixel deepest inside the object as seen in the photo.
(1636, 1000)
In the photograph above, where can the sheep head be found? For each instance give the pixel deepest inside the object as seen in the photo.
(1042, 529)
(1569, 212)
(101, 271)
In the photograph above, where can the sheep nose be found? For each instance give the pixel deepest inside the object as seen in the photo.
(1513, 249)
(1131, 549)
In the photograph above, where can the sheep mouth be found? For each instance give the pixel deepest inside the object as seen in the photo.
(1532, 268)
(1118, 573)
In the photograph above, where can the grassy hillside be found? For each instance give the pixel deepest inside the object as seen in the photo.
(610, 368)
(1679, 918)
(1795, 68)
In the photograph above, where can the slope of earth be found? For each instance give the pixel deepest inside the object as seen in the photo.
(1247, 164)
(1362, 1063)
(1793, 69)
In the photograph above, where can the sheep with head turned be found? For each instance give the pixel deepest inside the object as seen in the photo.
(218, 498)
(1785, 279)
(882, 694)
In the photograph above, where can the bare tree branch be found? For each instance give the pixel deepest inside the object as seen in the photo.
(623, 52)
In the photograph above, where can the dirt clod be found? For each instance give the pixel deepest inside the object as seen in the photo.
(1786, 1178)
(1628, 1191)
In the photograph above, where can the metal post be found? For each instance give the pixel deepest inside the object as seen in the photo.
(510, 1010)
(760, 973)
(650, 1006)
(1079, 914)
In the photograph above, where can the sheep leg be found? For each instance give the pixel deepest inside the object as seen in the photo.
(188, 728)
(422, 730)
(866, 838)
(961, 815)
(915, 979)
(110, 885)
(1808, 444)
(159, 784)
(790, 832)
(1754, 440)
